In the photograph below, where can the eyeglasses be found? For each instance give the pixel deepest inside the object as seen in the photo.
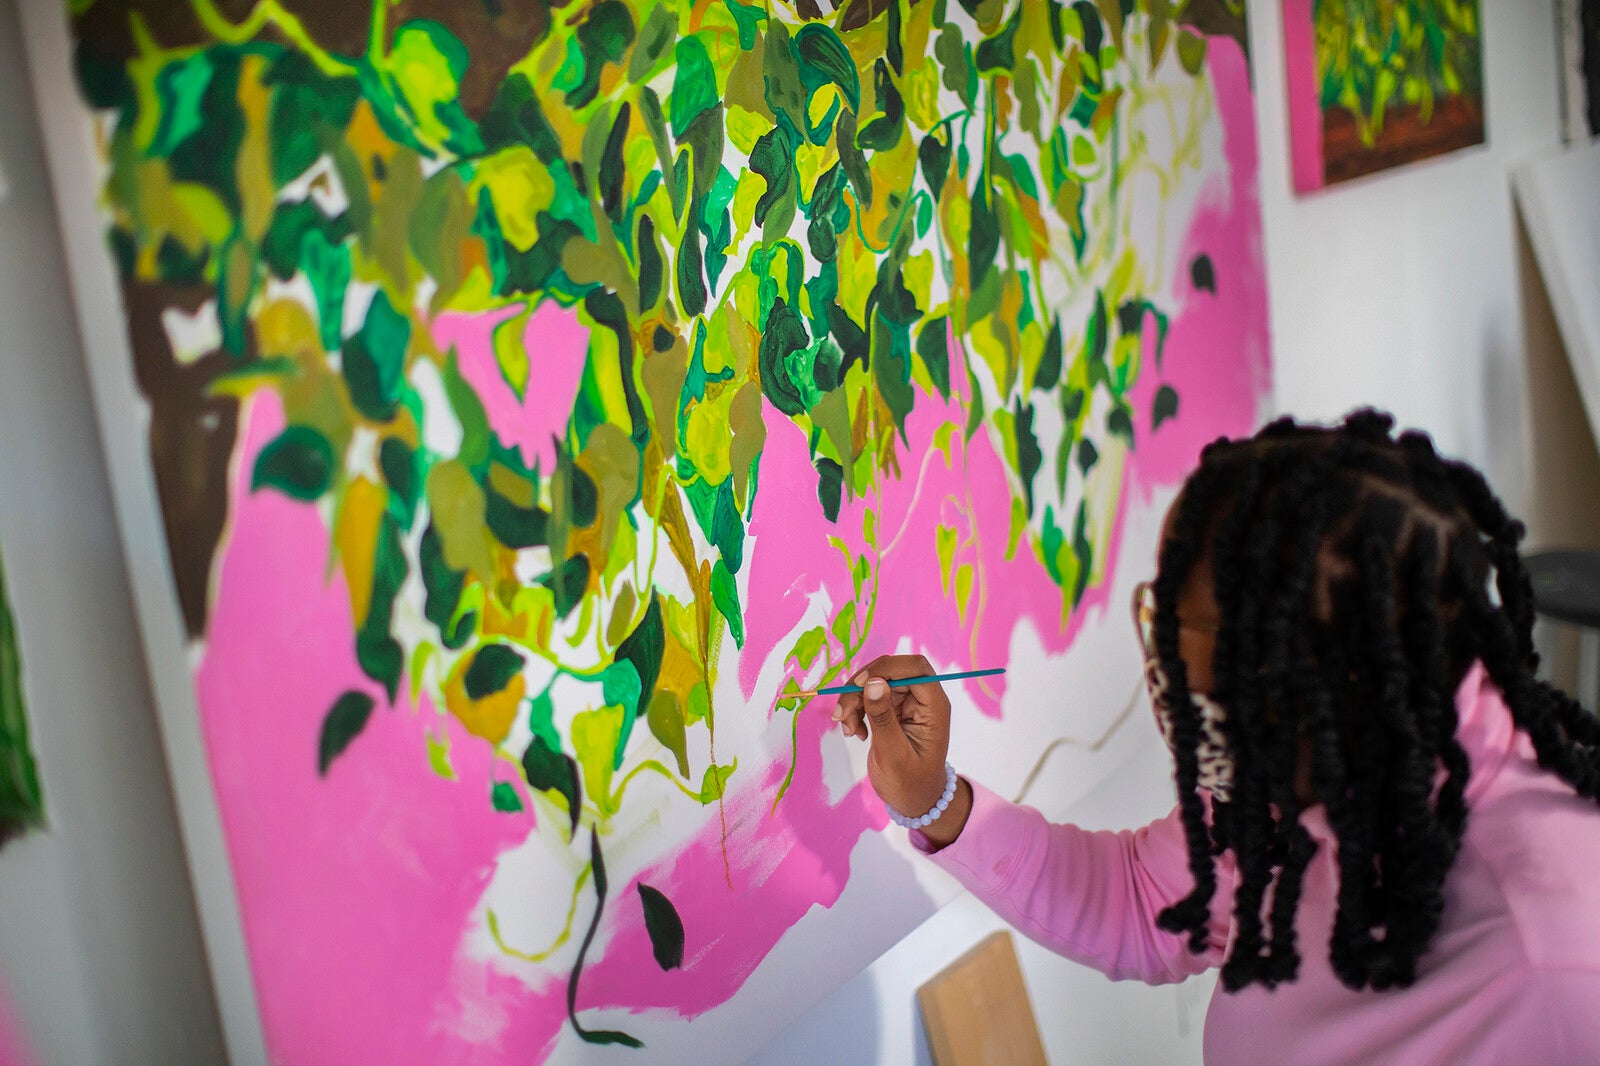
(1144, 620)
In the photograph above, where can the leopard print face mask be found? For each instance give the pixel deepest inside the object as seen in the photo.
(1216, 764)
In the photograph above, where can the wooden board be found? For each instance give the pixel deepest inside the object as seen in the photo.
(976, 1010)
(1556, 194)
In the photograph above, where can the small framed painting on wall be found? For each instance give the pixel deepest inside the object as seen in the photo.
(1374, 85)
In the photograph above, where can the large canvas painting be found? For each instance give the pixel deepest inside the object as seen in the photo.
(1375, 84)
(538, 397)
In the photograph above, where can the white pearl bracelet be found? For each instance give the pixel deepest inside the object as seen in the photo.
(932, 816)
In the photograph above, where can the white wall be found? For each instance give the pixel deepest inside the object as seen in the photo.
(1403, 290)
(98, 937)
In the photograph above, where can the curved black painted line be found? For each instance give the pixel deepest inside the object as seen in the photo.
(594, 1036)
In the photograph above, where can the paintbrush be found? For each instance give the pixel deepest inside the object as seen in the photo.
(900, 682)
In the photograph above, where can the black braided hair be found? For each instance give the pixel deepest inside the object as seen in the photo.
(1351, 572)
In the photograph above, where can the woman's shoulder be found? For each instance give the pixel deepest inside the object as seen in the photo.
(1531, 859)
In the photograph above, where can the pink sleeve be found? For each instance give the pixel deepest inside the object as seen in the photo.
(1091, 896)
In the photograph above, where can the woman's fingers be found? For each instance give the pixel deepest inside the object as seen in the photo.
(849, 712)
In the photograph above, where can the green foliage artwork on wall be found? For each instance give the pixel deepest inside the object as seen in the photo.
(557, 324)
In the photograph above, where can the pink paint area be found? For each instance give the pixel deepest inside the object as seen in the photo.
(1218, 354)
(358, 889)
(1305, 97)
(780, 866)
(557, 343)
(15, 1047)
(970, 493)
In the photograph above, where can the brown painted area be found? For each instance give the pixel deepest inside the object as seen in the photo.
(192, 435)
(1216, 18)
(1457, 122)
(498, 34)
(104, 30)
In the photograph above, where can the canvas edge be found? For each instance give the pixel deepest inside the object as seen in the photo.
(98, 312)
(1534, 185)
(1304, 112)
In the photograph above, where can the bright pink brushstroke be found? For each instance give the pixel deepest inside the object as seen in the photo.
(558, 346)
(780, 866)
(356, 890)
(790, 560)
(1305, 99)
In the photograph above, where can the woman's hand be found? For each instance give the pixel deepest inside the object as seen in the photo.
(910, 737)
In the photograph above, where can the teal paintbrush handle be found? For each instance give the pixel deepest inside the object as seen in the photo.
(903, 682)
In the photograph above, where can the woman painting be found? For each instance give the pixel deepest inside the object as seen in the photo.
(1386, 833)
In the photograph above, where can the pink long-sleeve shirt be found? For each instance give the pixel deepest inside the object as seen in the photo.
(1512, 975)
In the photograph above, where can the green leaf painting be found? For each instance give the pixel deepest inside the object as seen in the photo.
(1378, 83)
(21, 801)
(542, 397)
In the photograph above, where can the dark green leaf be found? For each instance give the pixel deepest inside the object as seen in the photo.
(602, 38)
(504, 797)
(298, 462)
(378, 653)
(1029, 456)
(830, 486)
(1049, 371)
(998, 53)
(344, 722)
(373, 361)
(443, 587)
(983, 242)
(661, 921)
(934, 156)
(773, 159)
(824, 58)
(1087, 455)
(933, 345)
(548, 770)
(643, 648)
(853, 159)
(883, 132)
(567, 581)
(785, 333)
(492, 670)
(611, 174)
(1094, 345)
(650, 266)
(399, 465)
(691, 279)
(1164, 407)
(1093, 29)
